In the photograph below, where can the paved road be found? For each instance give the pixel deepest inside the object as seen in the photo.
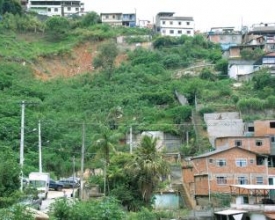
(52, 195)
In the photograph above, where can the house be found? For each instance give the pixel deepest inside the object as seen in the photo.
(239, 159)
(119, 19)
(129, 20)
(56, 7)
(263, 33)
(223, 124)
(225, 36)
(169, 25)
(215, 171)
(144, 23)
(262, 29)
(249, 202)
(241, 70)
(267, 61)
(113, 18)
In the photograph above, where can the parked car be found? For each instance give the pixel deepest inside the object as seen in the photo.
(55, 185)
(69, 183)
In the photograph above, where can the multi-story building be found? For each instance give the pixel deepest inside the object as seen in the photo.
(56, 7)
(236, 160)
(119, 19)
(169, 25)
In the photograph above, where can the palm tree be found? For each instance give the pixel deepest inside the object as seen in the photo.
(147, 168)
(105, 143)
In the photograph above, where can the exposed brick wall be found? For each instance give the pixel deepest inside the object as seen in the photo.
(202, 167)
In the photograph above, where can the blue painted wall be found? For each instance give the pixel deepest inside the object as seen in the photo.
(166, 201)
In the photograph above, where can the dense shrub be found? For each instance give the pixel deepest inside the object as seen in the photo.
(250, 104)
(206, 109)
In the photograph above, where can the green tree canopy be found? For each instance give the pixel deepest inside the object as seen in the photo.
(57, 27)
(9, 177)
(106, 58)
(10, 6)
(147, 168)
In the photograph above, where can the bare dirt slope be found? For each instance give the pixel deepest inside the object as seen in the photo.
(78, 62)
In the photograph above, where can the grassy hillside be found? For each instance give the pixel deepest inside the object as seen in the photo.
(64, 92)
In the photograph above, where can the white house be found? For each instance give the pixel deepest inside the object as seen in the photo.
(237, 69)
(56, 7)
(169, 25)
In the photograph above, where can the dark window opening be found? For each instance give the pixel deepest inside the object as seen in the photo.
(260, 160)
(259, 143)
(272, 124)
(238, 143)
(250, 129)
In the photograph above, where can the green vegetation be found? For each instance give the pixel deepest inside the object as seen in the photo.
(137, 92)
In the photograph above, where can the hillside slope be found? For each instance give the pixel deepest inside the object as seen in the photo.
(78, 61)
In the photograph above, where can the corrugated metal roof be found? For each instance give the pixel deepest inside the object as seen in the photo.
(230, 212)
(220, 150)
(251, 187)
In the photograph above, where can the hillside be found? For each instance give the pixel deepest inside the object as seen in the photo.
(58, 76)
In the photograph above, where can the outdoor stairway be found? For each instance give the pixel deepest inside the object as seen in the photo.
(186, 200)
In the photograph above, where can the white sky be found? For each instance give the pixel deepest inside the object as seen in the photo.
(206, 13)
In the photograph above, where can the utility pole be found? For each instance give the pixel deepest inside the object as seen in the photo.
(131, 140)
(39, 147)
(105, 173)
(82, 161)
(73, 175)
(21, 157)
(22, 143)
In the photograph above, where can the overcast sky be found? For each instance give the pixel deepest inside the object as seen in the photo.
(206, 13)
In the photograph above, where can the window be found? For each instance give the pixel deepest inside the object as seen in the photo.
(171, 32)
(272, 139)
(241, 162)
(76, 9)
(251, 161)
(107, 16)
(179, 22)
(242, 180)
(272, 124)
(163, 31)
(114, 16)
(49, 9)
(250, 129)
(68, 8)
(171, 22)
(179, 31)
(258, 143)
(56, 9)
(188, 23)
(163, 22)
(221, 162)
(259, 180)
(188, 32)
(221, 180)
(238, 143)
(210, 160)
(260, 160)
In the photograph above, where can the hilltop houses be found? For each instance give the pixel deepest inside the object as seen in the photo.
(169, 25)
(55, 7)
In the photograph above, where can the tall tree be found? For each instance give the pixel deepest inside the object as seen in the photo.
(9, 177)
(10, 6)
(105, 143)
(106, 58)
(147, 168)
